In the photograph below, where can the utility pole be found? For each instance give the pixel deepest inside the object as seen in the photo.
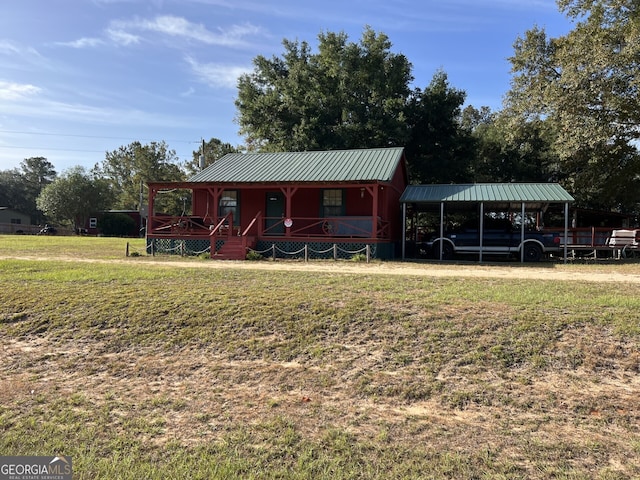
(202, 158)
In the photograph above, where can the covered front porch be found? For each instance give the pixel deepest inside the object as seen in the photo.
(230, 220)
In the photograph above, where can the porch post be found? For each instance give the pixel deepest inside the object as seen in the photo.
(374, 211)
(150, 207)
(216, 193)
(288, 195)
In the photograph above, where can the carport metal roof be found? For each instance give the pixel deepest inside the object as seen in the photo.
(487, 192)
(481, 193)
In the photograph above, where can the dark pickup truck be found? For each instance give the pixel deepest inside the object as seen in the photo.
(536, 244)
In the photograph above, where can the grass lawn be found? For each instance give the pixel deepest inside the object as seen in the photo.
(146, 368)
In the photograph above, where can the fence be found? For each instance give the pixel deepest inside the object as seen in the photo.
(306, 252)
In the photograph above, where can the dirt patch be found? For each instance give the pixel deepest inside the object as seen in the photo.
(196, 398)
(603, 273)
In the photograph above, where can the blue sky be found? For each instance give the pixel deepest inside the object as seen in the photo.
(79, 78)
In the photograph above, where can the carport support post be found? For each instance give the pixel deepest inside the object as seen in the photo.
(522, 234)
(441, 228)
(404, 230)
(566, 229)
(481, 230)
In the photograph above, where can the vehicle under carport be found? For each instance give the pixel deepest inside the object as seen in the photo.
(525, 202)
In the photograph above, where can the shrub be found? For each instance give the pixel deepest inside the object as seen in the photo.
(359, 257)
(117, 225)
(253, 255)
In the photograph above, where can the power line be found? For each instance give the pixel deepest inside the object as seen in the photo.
(53, 148)
(18, 132)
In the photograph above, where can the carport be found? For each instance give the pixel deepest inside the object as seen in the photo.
(511, 196)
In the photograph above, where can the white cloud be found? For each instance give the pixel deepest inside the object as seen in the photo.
(16, 91)
(122, 38)
(14, 56)
(9, 48)
(216, 74)
(83, 42)
(124, 32)
(180, 27)
(188, 92)
(63, 112)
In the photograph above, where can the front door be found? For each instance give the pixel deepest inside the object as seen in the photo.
(274, 213)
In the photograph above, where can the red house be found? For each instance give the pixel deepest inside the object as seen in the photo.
(281, 203)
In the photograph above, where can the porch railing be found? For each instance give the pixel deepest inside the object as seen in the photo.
(254, 224)
(346, 226)
(299, 227)
(183, 225)
(224, 227)
(587, 237)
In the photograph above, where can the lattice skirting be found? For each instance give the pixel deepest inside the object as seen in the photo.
(177, 246)
(322, 250)
(283, 249)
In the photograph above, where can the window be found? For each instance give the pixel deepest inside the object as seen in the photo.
(332, 203)
(229, 204)
(93, 222)
(16, 221)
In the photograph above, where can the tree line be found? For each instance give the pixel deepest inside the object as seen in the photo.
(118, 183)
(571, 116)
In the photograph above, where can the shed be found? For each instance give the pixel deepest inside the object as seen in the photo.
(510, 196)
(12, 221)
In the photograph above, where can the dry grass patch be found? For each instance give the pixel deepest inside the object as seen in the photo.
(143, 371)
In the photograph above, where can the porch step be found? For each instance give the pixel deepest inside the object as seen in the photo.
(231, 250)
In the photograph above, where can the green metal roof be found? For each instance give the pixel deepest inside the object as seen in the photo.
(487, 192)
(377, 164)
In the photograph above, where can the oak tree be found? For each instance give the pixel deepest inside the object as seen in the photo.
(347, 95)
(74, 196)
(587, 83)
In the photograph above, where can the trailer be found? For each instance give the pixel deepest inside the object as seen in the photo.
(624, 242)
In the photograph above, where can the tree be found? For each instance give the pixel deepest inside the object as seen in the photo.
(19, 188)
(38, 172)
(12, 191)
(511, 153)
(439, 149)
(130, 167)
(352, 95)
(587, 84)
(347, 95)
(213, 150)
(74, 196)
